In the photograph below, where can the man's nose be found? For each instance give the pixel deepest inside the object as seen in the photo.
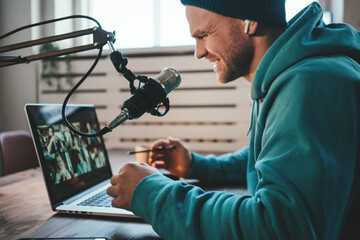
(200, 50)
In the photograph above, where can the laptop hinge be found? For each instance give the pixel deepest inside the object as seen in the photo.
(56, 205)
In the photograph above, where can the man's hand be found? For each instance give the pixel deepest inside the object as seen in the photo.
(124, 184)
(178, 161)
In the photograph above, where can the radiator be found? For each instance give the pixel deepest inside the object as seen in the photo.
(207, 115)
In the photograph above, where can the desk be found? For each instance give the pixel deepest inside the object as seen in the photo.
(25, 210)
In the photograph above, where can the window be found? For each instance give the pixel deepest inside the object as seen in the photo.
(294, 6)
(150, 23)
(133, 21)
(143, 23)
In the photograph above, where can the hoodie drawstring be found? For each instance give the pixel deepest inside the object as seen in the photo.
(252, 117)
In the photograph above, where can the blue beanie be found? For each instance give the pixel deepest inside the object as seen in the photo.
(271, 12)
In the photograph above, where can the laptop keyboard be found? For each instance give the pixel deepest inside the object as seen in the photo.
(100, 199)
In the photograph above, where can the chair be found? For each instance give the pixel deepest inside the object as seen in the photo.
(17, 152)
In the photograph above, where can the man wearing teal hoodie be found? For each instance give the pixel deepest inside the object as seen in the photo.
(302, 166)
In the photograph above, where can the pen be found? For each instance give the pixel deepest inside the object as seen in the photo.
(155, 150)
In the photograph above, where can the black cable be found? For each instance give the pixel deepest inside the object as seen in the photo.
(102, 131)
(47, 22)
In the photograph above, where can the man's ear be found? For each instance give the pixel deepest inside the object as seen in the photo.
(250, 27)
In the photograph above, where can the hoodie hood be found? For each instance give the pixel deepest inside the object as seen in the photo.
(306, 36)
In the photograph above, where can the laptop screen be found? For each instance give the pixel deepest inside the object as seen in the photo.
(70, 163)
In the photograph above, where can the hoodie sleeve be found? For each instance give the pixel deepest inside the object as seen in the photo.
(230, 167)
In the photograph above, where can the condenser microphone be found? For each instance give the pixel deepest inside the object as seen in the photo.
(146, 98)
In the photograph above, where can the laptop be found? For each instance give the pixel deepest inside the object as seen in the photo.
(76, 169)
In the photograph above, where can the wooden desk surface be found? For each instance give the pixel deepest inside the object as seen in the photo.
(25, 210)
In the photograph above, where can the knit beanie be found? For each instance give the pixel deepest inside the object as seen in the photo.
(271, 12)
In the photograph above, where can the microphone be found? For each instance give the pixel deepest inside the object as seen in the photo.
(146, 98)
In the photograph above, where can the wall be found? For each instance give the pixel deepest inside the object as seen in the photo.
(351, 13)
(17, 83)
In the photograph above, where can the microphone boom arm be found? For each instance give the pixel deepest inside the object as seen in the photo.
(100, 38)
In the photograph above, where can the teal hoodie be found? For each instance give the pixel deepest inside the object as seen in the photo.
(302, 163)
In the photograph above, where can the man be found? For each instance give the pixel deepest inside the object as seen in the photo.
(302, 164)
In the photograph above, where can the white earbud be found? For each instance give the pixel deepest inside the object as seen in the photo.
(247, 25)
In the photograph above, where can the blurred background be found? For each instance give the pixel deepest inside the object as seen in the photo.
(152, 34)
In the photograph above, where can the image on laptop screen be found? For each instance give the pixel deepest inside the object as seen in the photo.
(70, 162)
